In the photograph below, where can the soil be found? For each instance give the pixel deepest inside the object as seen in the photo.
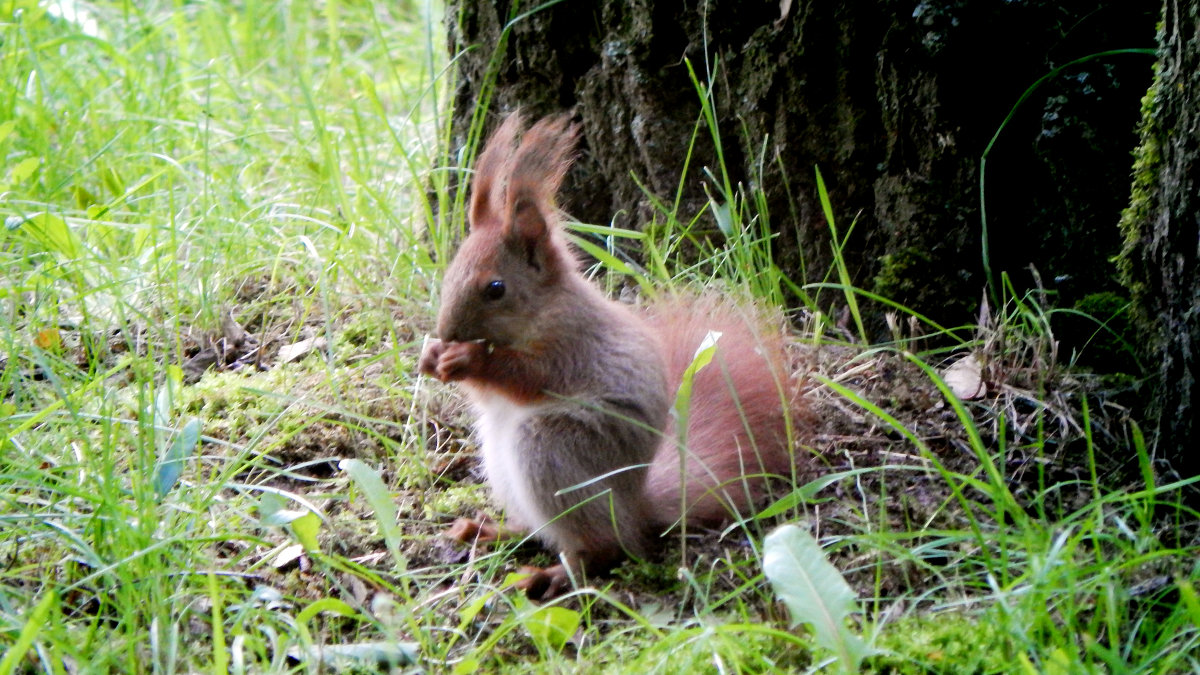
(1035, 406)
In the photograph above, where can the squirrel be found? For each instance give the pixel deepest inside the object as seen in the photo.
(573, 392)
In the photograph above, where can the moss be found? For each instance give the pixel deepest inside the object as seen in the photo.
(648, 576)
(1135, 219)
(364, 332)
(711, 648)
(902, 274)
(1103, 306)
(457, 500)
(231, 403)
(1101, 333)
(949, 644)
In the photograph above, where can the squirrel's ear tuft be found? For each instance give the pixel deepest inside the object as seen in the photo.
(534, 173)
(516, 182)
(541, 161)
(491, 173)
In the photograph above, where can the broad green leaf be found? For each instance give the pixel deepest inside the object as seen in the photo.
(53, 234)
(683, 401)
(552, 626)
(512, 578)
(170, 467)
(23, 169)
(472, 609)
(84, 199)
(1058, 662)
(373, 489)
(307, 647)
(723, 214)
(6, 129)
(814, 592)
(113, 181)
(164, 402)
(270, 503)
(305, 528)
(271, 511)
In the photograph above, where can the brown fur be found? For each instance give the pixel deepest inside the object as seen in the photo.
(572, 390)
(737, 411)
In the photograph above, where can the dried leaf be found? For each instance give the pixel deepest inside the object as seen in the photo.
(297, 351)
(234, 334)
(985, 312)
(288, 557)
(193, 368)
(785, 8)
(965, 378)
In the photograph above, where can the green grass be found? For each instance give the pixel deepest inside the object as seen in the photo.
(173, 171)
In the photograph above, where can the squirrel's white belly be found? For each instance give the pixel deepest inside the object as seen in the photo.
(499, 429)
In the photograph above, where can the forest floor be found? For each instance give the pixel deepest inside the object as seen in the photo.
(225, 230)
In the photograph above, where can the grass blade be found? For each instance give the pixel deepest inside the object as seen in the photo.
(33, 626)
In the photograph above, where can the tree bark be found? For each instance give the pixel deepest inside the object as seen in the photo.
(1162, 228)
(894, 102)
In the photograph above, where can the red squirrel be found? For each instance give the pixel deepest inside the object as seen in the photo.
(573, 392)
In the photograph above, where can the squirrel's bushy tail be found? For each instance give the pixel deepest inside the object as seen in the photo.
(738, 411)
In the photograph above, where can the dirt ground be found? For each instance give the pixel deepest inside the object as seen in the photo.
(1034, 406)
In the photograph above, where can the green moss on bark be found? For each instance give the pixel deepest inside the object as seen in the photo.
(903, 276)
(1135, 219)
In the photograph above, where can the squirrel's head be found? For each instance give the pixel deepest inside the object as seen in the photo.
(514, 259)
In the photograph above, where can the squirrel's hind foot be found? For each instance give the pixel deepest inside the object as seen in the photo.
(478, 530)
(545, 584)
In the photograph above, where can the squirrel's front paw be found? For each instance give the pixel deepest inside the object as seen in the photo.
(430, 357)
(459, 360)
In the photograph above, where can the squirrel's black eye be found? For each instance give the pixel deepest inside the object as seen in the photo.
(494, 290)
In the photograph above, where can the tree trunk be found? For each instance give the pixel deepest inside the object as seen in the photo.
(894, 102)
(1162, 229)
